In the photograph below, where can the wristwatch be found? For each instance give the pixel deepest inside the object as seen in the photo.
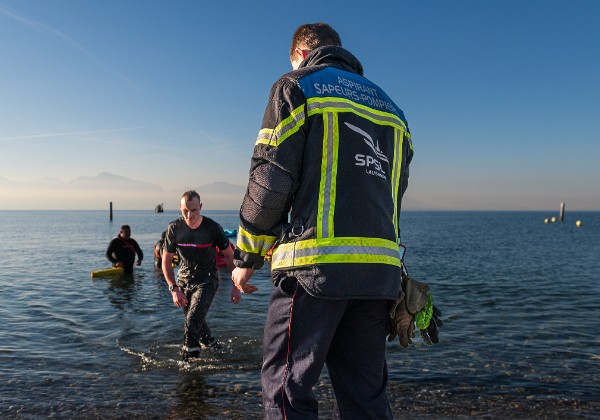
(172, 286)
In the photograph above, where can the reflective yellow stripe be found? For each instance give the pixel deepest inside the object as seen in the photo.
(332, 104)
(397, 173)
(335, 251)
(256, 244)
(290, 125)
(328, 186)
(334, 169)
(276, 136)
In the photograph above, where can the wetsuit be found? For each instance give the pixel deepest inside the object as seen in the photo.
(124, 250)
(197, 274)
(158, 254)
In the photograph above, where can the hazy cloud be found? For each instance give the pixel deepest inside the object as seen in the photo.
(67, 134)
(95, 192)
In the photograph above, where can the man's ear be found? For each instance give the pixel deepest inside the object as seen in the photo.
(302, 53)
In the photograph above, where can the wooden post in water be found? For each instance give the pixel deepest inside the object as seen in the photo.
(110, 212)
(562, 211)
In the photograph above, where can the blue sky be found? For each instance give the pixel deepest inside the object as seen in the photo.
(502, 97)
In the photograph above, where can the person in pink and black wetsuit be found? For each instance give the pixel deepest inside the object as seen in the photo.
(195, 238)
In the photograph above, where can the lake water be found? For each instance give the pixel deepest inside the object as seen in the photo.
(520, 301)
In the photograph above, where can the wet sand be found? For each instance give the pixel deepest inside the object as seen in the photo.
(425, 403)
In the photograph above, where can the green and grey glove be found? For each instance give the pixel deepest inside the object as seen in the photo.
(414, 304)
(412, 298)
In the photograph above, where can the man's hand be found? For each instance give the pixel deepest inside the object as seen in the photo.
(240, 277)
(179, 298)
(236, 296)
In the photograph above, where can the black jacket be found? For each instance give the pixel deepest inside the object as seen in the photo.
(124, 250)
(328, 172)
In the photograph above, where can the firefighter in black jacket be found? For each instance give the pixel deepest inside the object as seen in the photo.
(328, 172)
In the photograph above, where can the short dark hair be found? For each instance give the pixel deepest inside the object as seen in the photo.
(313, 35)
(190, 195)
(125, 227)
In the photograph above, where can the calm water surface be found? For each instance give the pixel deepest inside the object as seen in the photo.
(520, 301)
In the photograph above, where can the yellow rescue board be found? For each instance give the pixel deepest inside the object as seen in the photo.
(107, 272)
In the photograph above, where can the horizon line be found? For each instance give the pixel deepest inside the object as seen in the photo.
(403, 211)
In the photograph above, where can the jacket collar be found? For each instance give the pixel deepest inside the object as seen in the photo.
(338, 56)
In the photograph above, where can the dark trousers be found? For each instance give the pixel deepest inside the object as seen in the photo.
(302, 333)
(200, 297)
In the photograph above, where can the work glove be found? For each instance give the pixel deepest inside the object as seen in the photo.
(414, 303)
(412, 298)
(401, 323)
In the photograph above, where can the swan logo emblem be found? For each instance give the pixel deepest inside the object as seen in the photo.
(369, 141)
(372, 163)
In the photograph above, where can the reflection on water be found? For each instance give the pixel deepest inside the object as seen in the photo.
(120, 289)
(191, 393)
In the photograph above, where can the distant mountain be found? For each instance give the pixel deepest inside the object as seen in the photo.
(51, 182)
(108, 181)
(219, 195)
(222, 187)
(94, 192)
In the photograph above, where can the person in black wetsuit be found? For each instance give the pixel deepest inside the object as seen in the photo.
(159, 247)
(158, 250)
(122, 250)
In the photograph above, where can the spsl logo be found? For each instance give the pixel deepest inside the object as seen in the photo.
(372, 163)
